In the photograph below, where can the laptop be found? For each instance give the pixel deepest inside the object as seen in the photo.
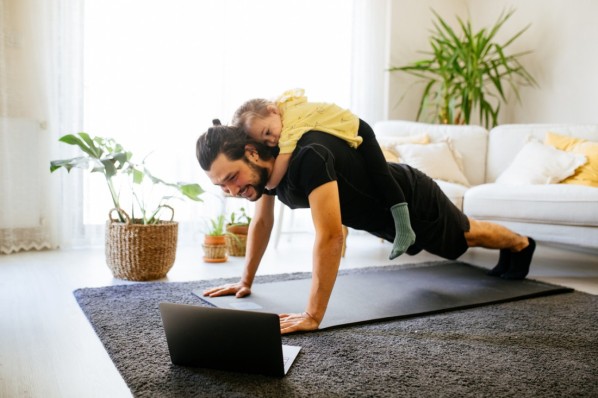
(226, 339)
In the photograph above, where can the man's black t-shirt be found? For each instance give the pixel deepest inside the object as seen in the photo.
(320, 158)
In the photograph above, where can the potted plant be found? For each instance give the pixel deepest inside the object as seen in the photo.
(237, 228)
(139, 245)
(214, 246)
(467, 72)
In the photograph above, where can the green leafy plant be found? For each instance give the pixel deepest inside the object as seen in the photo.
(239, 219)
(466, 72)
(106, 156)
(217, 226)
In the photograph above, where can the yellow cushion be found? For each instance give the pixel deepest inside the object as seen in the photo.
(587, 174)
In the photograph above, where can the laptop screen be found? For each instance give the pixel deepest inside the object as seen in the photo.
(242, 341)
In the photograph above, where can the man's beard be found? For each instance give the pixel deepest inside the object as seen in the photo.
(262, 175)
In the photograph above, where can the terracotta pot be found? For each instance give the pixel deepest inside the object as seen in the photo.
(238, 229)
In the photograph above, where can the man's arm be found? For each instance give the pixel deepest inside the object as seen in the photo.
(257, 242)
(258, 237)
(325, 208)
(279, 170)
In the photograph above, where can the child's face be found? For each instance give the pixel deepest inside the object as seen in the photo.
(265, 129)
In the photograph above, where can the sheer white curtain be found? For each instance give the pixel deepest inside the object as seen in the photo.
(369, 60)
(38, 101)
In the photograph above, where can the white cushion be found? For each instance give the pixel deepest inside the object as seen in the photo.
(470, 141)
(537, 163)
(436, 160)
(544, 204)
(388, 144)
(506, 140)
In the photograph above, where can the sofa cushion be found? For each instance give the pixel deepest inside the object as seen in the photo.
(588, 173)
(506, 140)
(469, 141)
(545, 204)
(537, 163)
(436, 160)
(389, 144)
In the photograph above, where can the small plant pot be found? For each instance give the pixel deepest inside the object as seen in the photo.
(236, 240)
(238, 229)
(214, 248)
(236, 244)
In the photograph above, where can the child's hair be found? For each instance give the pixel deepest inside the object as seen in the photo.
(253, 108)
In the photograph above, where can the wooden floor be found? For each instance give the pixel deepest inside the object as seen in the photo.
(48, 349)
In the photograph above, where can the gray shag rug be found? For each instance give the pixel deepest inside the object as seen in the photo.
(540, 347)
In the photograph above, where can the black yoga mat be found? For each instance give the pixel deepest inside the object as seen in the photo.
(378, 294)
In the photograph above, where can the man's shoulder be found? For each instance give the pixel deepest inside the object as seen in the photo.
(315, 138)
(316, 144)
(312, 144)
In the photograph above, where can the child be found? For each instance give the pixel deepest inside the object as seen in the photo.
(283, 122)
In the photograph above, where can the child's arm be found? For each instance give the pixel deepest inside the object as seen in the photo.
(280, 168)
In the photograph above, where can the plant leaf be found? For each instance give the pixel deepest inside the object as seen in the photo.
(191, 191)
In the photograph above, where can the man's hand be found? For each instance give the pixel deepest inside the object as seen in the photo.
(297, 322)
(238, 289)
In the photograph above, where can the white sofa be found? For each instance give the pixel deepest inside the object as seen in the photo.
(557, 213)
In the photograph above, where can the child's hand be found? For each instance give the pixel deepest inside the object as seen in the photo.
(270, 185)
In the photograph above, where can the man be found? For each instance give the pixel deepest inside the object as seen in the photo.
(330, 178)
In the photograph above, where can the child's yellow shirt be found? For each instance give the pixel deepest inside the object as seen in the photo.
(299, 116)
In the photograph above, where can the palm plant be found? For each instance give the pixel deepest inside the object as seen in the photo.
(467, 72)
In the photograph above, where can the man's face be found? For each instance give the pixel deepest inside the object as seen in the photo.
(243, 178)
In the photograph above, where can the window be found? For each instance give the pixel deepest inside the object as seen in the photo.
(157, 73)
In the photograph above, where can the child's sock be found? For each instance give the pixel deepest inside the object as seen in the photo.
(504, 261)
(520, 262)
(404, 235)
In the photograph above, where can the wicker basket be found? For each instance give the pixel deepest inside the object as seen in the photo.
(214, 248)
(140, 252)
(236, 244)
(214, 253)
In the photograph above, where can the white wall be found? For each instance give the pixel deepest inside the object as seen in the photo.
(563, 36)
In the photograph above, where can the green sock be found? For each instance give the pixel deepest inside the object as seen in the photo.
(405, 236)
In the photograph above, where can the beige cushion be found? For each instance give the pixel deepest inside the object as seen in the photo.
(436, 160)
